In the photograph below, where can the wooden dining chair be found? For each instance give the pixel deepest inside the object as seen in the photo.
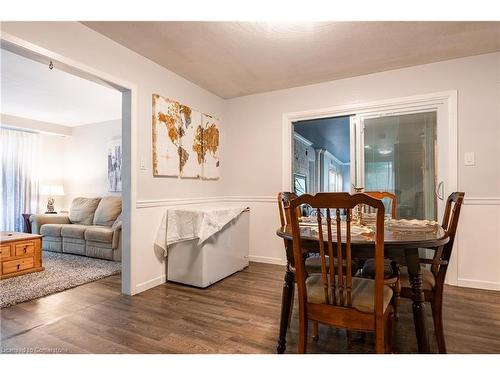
(433, 279)
(334, 296)
(385, 195)
(391, 268)
(313, 264)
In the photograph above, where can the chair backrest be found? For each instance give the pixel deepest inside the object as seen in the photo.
(386, 195)
(283, 199)
(337, 279)
(450, 221)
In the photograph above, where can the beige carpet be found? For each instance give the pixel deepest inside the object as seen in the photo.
(62, 271)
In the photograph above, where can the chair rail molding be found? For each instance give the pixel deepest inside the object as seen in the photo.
(482, 201)
(150, 203)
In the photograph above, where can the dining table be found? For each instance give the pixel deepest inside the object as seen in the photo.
(399, 245)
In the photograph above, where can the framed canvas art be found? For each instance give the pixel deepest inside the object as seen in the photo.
(166, 137)
(191, 161)
(211, 138)
(185, 141)
(115, 165)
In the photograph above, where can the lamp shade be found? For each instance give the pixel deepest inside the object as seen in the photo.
(52, 190)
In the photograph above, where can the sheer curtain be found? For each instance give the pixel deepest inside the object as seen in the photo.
(19, 179)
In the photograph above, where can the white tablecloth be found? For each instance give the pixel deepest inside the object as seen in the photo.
(195, 221)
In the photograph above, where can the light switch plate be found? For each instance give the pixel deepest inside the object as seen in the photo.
(142, 164)
(469, 159)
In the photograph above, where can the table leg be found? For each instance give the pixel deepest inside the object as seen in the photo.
(419, 317)
(286, 302)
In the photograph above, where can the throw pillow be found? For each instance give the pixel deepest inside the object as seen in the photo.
(82, 210)
(107, 211)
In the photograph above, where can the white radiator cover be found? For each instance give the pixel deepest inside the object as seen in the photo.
(221, 255)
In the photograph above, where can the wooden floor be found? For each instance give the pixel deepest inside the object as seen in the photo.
(237, 315)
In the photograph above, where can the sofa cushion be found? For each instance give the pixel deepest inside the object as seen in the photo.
(107, 211)
(99, 250)
(82, 210)
(73, 231)
(99, 234)
(52, 244)
(73, 246)
(52, 230)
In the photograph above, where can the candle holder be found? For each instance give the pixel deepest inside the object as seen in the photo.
(359, 208)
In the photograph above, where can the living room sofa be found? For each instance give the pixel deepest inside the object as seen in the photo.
(92, 228)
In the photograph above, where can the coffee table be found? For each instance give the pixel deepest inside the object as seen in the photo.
(20, 253)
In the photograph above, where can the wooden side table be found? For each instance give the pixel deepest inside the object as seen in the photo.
(20, 253)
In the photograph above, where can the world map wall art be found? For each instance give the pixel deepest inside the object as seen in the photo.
(185, 141)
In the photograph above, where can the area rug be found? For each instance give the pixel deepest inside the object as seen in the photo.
(62, 271)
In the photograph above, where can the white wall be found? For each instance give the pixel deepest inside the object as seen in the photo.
(85, 160)
(98, 53)
(254, 141)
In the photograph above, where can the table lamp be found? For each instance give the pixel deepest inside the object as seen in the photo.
(51, 191)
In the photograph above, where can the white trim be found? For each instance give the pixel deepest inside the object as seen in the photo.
(482, 201)
(141, 287)
(268, 260)
(127, 253)
(301, 139)
(250, 198)
(415, 102)
(478, 284)
(335, 159)
(151, 203)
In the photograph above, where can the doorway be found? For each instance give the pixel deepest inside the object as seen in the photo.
(127, 91)
(322, 156)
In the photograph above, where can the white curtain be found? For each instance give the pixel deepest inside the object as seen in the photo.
(19, 179)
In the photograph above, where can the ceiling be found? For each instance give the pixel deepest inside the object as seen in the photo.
(233, 59)
(331, 134)
(31, 90)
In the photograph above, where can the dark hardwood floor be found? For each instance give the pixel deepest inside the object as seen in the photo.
(237, 315)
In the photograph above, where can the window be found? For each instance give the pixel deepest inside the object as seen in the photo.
(334, 180)
(19, 179)
(299, 184)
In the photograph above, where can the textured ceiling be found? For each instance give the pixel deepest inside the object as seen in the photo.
(234, 59)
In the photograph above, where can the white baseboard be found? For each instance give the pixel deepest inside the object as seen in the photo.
(141, 287)
(268, 260)
(479, 284)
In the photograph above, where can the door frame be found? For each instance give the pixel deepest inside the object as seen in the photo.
(129, 92)
(437, 100)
